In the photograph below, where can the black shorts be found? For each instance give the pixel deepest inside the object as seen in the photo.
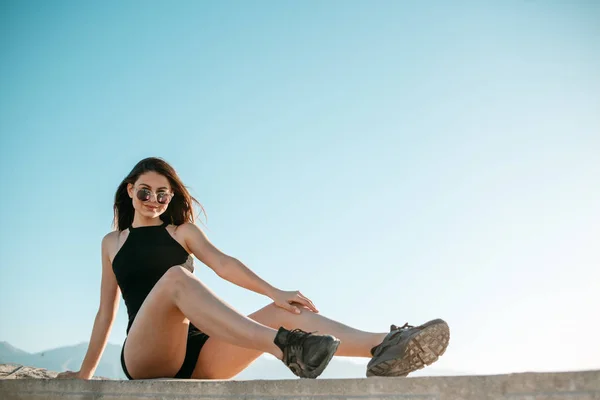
(195, 341)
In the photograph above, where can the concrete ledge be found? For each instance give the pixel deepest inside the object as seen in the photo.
(526, 386)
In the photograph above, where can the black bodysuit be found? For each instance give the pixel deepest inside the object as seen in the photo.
(149, 252)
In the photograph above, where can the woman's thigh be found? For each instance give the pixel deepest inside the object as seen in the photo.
(222, 360)
(156, 343)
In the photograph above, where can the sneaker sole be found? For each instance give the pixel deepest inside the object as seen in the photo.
(424, 348)
(330, 352)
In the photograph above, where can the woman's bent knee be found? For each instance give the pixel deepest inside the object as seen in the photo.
(177, 272)
(174, 280)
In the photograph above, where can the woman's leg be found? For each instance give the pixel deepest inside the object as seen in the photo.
(221, 360)
(156, 342)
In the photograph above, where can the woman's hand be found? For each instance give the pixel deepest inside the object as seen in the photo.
(69, 375)
(290, 300)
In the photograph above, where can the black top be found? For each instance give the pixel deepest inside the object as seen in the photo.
(148, 252)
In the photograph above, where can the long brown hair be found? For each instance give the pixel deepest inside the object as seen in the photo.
(180, 209)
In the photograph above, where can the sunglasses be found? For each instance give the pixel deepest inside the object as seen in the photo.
(144, 195)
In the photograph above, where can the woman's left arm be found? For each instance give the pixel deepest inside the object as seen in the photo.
(234, 271)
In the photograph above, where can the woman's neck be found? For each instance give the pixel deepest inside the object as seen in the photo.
(140, 220)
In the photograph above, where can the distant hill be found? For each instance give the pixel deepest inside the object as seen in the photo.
(266, 367)
(65, 358)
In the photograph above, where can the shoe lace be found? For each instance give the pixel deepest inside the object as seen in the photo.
(296, 337)
(403, 327)
(395, 331)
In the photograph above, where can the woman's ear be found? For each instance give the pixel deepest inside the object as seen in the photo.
(130, 190)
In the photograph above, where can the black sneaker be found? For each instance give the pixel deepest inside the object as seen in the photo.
(306, 354)
(408, 348)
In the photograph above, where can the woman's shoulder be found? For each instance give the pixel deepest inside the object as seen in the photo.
(187, 228)
(110, 240)
(112, 235)
(186, 231)
(112, 243)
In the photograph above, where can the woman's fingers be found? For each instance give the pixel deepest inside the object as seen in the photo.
(300, 298)
(292, 308)
(309, 301)
(289, 306)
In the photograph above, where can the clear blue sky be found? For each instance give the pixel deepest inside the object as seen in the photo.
(395, 161)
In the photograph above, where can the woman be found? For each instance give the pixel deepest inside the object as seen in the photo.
(179, 328)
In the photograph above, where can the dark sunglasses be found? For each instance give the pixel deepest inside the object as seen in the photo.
(146, 195)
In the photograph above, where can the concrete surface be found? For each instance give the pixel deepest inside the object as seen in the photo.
(583, 385)
(16, 371)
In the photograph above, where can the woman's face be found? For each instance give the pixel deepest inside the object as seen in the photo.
(149, 194)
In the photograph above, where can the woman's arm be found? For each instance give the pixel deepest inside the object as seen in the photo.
(109, 304)
(234, 271)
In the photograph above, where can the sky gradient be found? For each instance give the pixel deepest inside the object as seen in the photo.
(395, 161)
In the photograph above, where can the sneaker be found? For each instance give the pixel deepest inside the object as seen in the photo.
(306, 354)
(407, 348)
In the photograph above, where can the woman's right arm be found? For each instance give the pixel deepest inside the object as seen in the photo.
(109, 304)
